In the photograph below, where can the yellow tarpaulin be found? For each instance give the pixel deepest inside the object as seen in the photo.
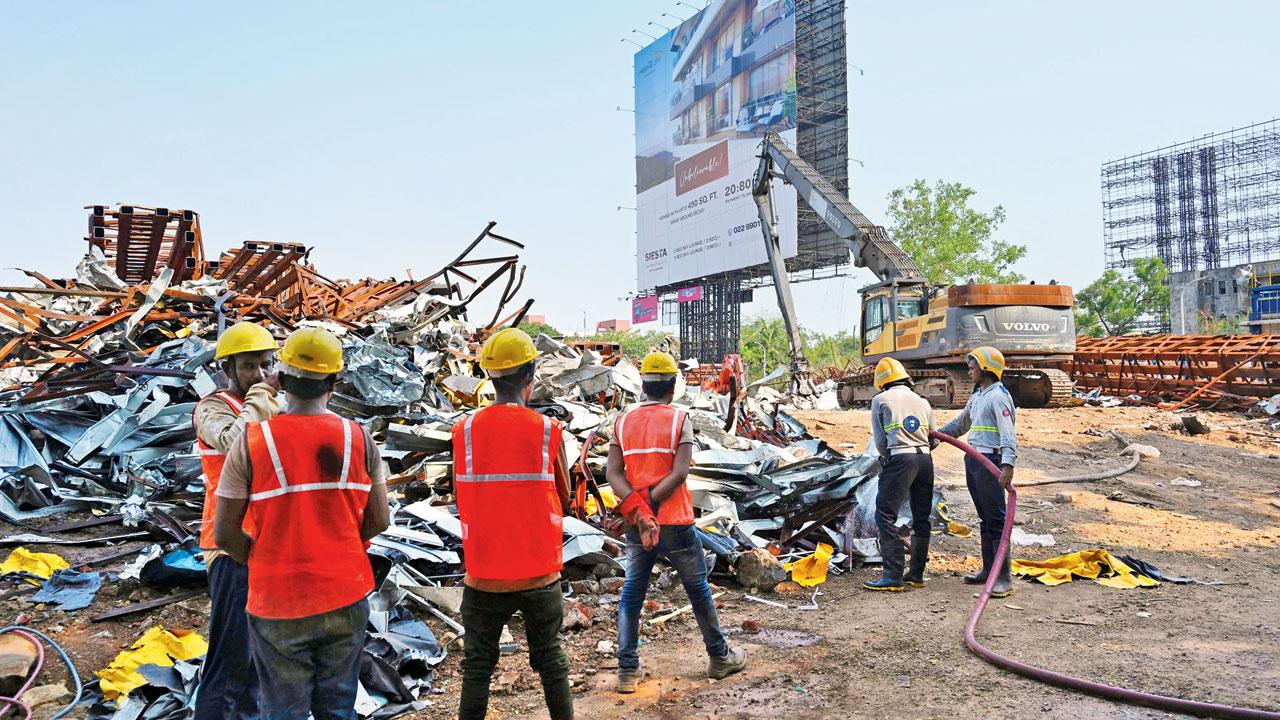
(1096, 564)
(953, 527)
(157, 646)
(40, 564)
(811, 570)
(606, 494)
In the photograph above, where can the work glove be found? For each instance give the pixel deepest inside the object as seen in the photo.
(636, 509)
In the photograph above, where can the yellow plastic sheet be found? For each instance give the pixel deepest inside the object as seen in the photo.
(41, 564)
(1096, 564)
(811, 570)
(606, 494)
(157, 646)
(953, 527)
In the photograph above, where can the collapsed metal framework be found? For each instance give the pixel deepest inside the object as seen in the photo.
(1202, 204)
(822, 138)
(1227, 372)
(264, 282)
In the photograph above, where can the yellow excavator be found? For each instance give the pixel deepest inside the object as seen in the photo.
(928, 328)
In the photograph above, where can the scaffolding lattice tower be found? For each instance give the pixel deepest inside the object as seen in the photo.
(1202, 204)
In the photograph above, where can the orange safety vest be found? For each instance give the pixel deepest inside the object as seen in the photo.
(649, 436)
(211, 462)
(307, 497)
(504, 479)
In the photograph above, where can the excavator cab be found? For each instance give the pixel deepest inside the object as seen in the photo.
(885, 307)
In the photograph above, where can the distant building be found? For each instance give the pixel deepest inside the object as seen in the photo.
(535, 319)
(613, 326)
(1230, 293)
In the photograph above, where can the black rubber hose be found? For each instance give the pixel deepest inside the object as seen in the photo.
(1049, 677)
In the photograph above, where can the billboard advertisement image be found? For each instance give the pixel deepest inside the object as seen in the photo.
(706, 92)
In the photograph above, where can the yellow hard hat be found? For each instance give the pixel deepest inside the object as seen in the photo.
(244, 337)
(989, 359)
(889, 370)
(658, 363)
(506, 350)
(312, 352)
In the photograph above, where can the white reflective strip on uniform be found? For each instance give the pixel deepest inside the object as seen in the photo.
(275, 456)
(466, 444)
(309, 487)
(230, 400)
(546, 443)
(506, 477)
(675, 428)
(346, 451)
(641, 451)
(210, 451)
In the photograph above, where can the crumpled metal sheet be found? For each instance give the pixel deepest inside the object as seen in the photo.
(382, 374)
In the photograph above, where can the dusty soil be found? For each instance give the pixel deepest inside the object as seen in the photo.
(880, 655)
(900, 655)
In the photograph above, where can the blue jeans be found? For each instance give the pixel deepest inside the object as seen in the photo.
(228, 680)
(679, 544)
(311, 665)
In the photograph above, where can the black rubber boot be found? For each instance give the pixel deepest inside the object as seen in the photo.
(884, 583)
(988, 552)
(919, 557)
(1003, 586)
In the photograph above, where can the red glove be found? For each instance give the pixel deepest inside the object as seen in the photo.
(635, 508)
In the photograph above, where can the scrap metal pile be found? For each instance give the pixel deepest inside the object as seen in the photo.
(1211, 372)
(99, 376)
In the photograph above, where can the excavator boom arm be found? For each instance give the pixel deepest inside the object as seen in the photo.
(868, 243)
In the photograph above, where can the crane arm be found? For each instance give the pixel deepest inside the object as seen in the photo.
(868, 243)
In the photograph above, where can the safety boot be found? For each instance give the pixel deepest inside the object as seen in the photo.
(988, 553)
(884, 583)
(722, 667)
(628, 679)
(919, 557)
(1003, 586)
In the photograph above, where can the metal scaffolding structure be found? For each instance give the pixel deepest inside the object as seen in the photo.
(1202, 204)
(709, 329)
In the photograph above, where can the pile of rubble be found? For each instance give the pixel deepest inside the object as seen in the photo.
(99, 376)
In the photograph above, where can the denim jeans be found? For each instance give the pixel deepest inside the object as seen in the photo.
(311, 665)
(483, 616)
(987, 495)
(908, 474)
(679, 544)
(228, 679)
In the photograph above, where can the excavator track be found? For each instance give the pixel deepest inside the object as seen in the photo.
(943, 388)
(1031, 387)
(1034, 387)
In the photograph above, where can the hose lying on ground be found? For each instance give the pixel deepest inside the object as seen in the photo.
(30, 635)
(1089, 687)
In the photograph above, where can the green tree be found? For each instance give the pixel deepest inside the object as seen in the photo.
(635, 344)
(1114, 304)
(950, 241)
(535, 329)
(764, 346)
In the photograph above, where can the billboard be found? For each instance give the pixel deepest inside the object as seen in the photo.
(644, 309)
(706, 92)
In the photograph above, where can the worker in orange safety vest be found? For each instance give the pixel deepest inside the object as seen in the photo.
(511, 480)
(246, 354)
(648, 463)
(313, 487)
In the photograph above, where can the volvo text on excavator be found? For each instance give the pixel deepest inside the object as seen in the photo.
(928, 328)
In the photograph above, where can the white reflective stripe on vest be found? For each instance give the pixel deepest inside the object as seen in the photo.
(676, 417)
(507, 477)
(229, 399)
(470, 477)
(285, 487)
(208, 451)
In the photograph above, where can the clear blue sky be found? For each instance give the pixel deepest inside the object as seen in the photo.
(387, 134)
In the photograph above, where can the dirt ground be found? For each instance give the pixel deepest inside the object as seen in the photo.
(881, 655)
(900, 655)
